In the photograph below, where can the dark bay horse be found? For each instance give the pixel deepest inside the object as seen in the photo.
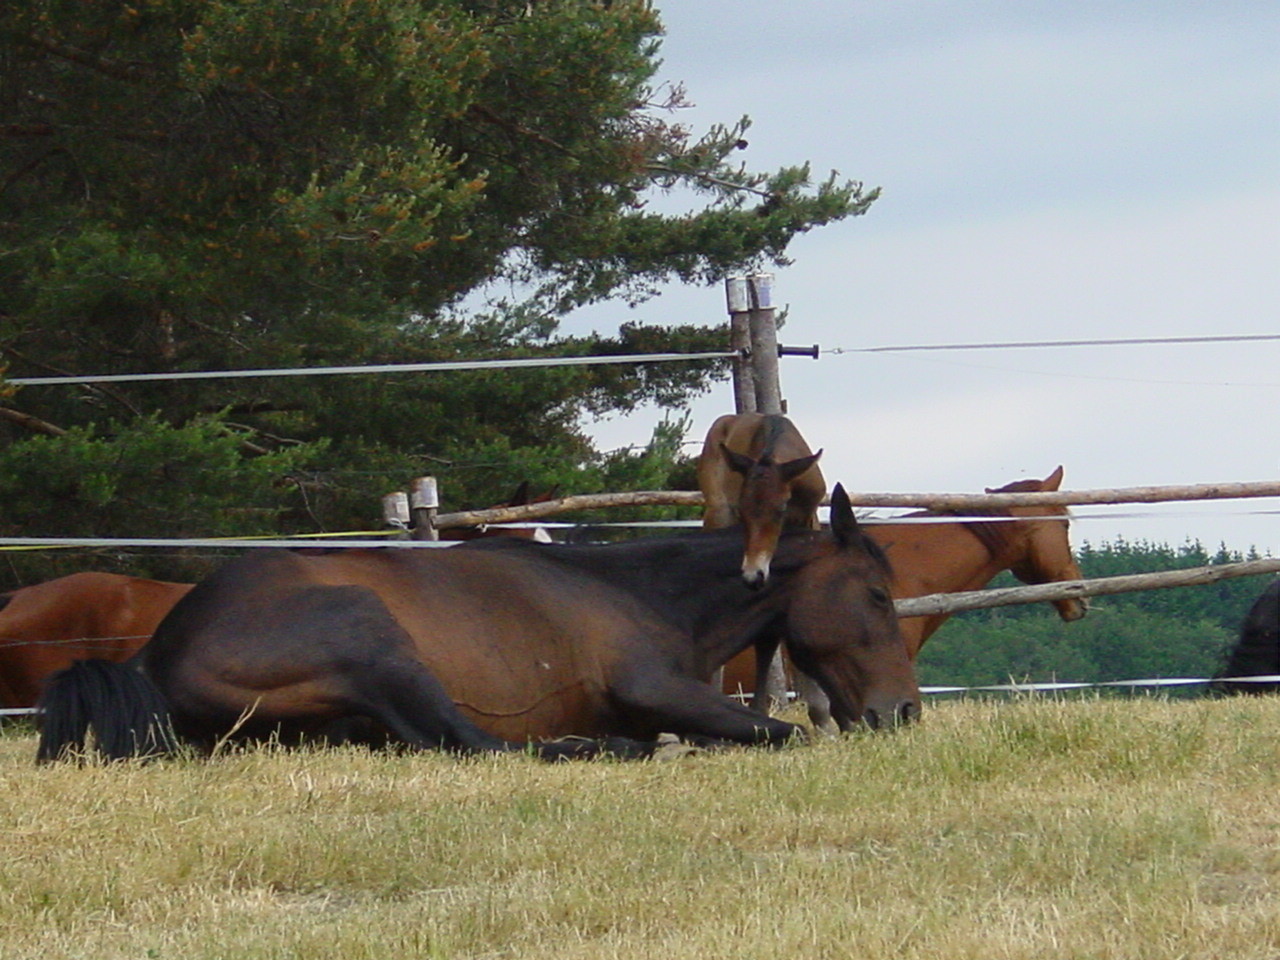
(951, 557)
(496, 643)
(47, 626)
(1257, 652)
(756, 469)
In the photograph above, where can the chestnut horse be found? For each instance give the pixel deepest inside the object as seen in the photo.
(756, 469)
(495, 643)
(950, 557)
(46, 626)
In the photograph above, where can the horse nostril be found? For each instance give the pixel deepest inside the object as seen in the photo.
(755, 579)
(902, 713)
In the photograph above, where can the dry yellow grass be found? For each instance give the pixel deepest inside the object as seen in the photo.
(1087, 829)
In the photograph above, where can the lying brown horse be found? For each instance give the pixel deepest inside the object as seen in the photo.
(44, 627)
(756, 469)
(495, 643)
(950, 557)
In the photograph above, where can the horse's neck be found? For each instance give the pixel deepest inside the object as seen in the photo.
(722, 639)
(939, 558)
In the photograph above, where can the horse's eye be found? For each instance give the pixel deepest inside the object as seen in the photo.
(878, 595)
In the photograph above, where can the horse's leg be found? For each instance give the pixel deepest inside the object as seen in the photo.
(771, 679)
(819, 705)
(406, 698)
(654, 699)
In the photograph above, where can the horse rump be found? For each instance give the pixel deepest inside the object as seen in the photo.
(126, 713)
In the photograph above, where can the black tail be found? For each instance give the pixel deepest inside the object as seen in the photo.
(126, 712)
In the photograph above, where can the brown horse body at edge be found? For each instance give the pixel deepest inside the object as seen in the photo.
(955, 556)
(110, 616)
(756, 469)
(47, 626)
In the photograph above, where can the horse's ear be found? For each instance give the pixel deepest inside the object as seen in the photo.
(844, 525)
(793, 468)
(521, 496)
(738, 462)
(1053, 481)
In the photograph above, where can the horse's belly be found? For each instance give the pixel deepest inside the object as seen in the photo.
(533, 700)
(535, 714)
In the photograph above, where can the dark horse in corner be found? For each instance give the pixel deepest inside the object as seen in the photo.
(498, 645)
(1257, 652)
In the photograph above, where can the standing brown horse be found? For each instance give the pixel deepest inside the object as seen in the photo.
(44, 627)
(494, 643)
(950, 557)
(756, 469)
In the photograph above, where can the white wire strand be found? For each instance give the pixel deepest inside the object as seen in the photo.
(435, 367)
(1034, 344)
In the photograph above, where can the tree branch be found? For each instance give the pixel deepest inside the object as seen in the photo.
(484, 113)
(119, 71)
(658, 168)
(103, 389)
(34, 424)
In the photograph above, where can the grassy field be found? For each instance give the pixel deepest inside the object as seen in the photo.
(1035, 829)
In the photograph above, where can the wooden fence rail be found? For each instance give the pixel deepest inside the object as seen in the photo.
(935, 603)
(936, 501)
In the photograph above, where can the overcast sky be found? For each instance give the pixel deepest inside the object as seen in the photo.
(1049, 171)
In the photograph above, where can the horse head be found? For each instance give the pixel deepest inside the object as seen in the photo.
(842, 630)
(763, 505)
(1045, 550)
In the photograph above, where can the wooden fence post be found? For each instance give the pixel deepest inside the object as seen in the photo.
(424, 503)
(764, 345)
(395, 513)
(768, 396)
(739, 303)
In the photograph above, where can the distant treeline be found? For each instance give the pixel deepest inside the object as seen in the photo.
(1176, 632)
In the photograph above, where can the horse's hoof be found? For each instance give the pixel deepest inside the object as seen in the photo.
(671, 747)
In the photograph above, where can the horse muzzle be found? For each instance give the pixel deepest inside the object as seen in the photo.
(890, 717)
(755, 575)
(1072, 609)
(878, 713)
